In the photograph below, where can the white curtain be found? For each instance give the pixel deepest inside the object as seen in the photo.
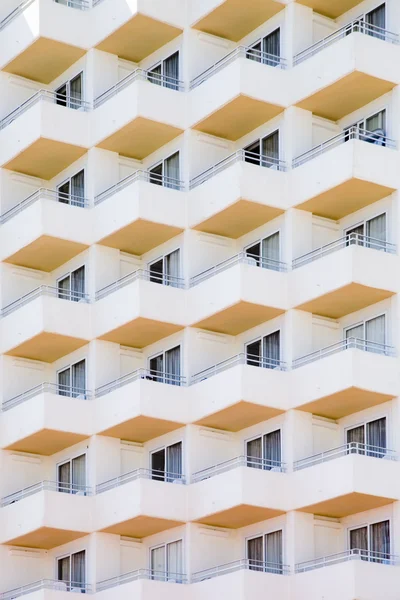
(78, 284)
(272, 450)
(356, 436)
(64, 478)
(64, 288)
(273, 547)
(172, 268)
(78, 189)
(380, 541)
(377, 18)
(272, 45)
(271, 252)
(359, 541)
(79, 473)
(377, 121)
(254, 453)
(376, 229)
(375, 334)
(271, 350)
(173, 366)
(270, 150)
(175, 561)
(64, 569)
(157, 368)
(64, 382)
(171, 171)
(171, 71)
(376, 437)
(255, 553)
(78, 574)
(356, 332)
(79, 379)
(174, 461)
(158, 566)
(75, 92)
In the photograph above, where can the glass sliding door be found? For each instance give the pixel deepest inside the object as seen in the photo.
(171, 71)
(158, 564)
(172, 268)
(270, 150)
(78, 189)
(375, 334)
(78, 284)
(376, 232)
(76, 86)
(79, 475)
(78, 571)
(64, 571)
(64, 478)
(64, 288)
(359, 542)
(253, 353)
(376, 19)
(254, 452)
(355, 335)
(173, 366)
(376, 438)
(252, 153)
(174, 462)
(171, 171)
(253, 254)
(271, 252)
(255, 553)
(271, 350)
(157, 368)
(380, 542)
(63, 192)
(158, 465)
(78, 377)
(272, 450)
(174, 562)
(356, 437)
(272, 47)
(273, 551)
(64, 382)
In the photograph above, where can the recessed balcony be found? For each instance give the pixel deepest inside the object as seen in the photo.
(143, 584)
(328, 8)
(46, 419)
(29, 142)
(154, 408)
(228, 199)
(44, 326)
(365, 172)
(140, 213)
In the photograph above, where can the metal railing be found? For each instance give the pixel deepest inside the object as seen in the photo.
(162, 180)
(146, 374)
(239, 52)
(45, 290)
(356, 26)
(47, 388)
(47, 584)
(346, 344)
(269, 162)
(252, 462)
(345, 450)
(46, 486)
(153, 474)
(79, 4)
(351, 239)
(42, 194)
(239, 565)
(151, 574)
(239, 359)
(382, 558)
(145, 275)
(352, 133)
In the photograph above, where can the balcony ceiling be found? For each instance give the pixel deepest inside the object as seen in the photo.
(142, 526)
(47, 347)
(46, 442)
(238, 416)
(330, 8)
(141, 332)
(346, 505)
(140, 236)
(239, 516)
(46, 253)
(46, 538)
(344, 403)
(141, 429)
(238, 318)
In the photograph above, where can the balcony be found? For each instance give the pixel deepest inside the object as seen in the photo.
(345, 276)
(154, 408)
(45, 230)
(329, 9)
(43, 326)
(344, 378)
(228, 199)
(41, 39)
(143, 584)
(137, 505)
(139, 114)
(361, 69)
(46, 419)
(29, 142)
(365, 172)
(140, 213)
(226, 19)
(230, 297)
(46, 515)
(233, 395)
(229, 99)
(47, 588)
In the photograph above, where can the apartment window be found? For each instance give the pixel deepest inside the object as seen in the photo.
(376, 21)
(72, 191)
(166, 172)
(371, 129)
(71, 570)
(264, 553)
(264, 152)
(166, 463)
(166, 366)
(370, 233)
(266, 49)
(264, 452)
(371, 542)
(71, 476)
(72, 380)
(70, 93)
(264, 352)
(166, 562)
(166, 270)
(266, 252)
(166, 72)
(371, 334)
(72, 286)
(368, 438)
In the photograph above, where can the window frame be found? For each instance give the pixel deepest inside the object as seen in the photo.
(163, 257)
(366, 220)
(363, 322)
(67, 83)
(260, 241)
(65, 276)
(264, 536)
(69, 460)
(260, 140)
(365, 423)
(162, 353)
(69, 180)
(261, 40)
(70, 368)
(261, 435)
(162, 164)
(368, 525)
(164, 447)
(161, 63)
(69, 555)
(260, 339)
(164, 545)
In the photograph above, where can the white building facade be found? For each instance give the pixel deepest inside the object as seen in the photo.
(199, 279)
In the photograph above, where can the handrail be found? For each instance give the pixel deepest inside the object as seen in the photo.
(269, 162)
(252, 462)
(353, 554)
(147, 374)
(239, 359)
(153, 474)
(152, 574)
(45, 290)
(345, 450)
(46, 486)
(80, 4)
(47, 388)
(356, 26)
(239, 52)
(145, 275)
(140, 175)
(46, 584)
(351, 239)
(351, 133)
(346, 344)
(43, 193)
(238, 565)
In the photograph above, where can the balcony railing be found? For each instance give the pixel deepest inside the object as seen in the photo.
(239, 565)
(239, 359)
(47, 486)
(252, 462)
(44, 194)
(356, 26)
(45, 290)
(47, 584)
(269, 162)
(147, 374)
(382, 558)
(351, 239)
(151, 574)
(345, 450)
(153, 474)
(47, 388)
(162, 180)
(347, 344)
(239, 52)
(352, 133)
(79, 4)
(145, 275)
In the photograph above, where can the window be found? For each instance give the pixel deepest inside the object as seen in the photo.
(71, 570)
(166, 72)
(72, 380)
(166, 270)
(371, 542)
(371, 129)
(265, 253)
(264, 352)
(166, 367)
(72, 286)
(267, 50)
(72, 191)
(264, 152)
(264, 452)
(376, 22)
(264, 553)
(166, 562)
(370, 335)
(370, 233)
(368, 438)
(70, 93)
(166, 173)
(166, 463)
(71, 476)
